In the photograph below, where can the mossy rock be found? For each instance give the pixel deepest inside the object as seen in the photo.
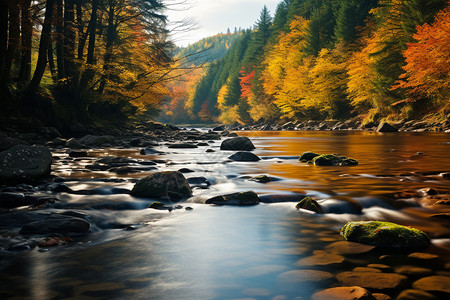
(333, 160)
(385, 235)
(308, 156)
(309, 204)
(157, 205)
(235, 199)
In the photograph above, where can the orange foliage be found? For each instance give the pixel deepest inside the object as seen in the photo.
(246, 83)
(428, 60)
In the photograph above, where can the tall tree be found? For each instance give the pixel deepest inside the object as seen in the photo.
(26, 38)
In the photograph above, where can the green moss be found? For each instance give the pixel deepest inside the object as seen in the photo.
(157, 205)
(309, 204)
(307, 156)
(385, 234)
(325, 160)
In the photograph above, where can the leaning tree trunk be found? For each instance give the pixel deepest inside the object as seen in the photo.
(69, 38)
(43, 46)
(27, 34)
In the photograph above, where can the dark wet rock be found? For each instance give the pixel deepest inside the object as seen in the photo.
(57, 223)
(97, 167)
(440, 284)
(281, 198)
(202, 144)
(429, 191)
(150, 151)
(199, 182)
(341, 205)
(415, 295)
(183, 146)
(57, 142)
(162, 184)
(186, 170)
(22, 163)
(95, 140)
(373, 281)
(445, 176)
(385, 234)
(9, 142)
(219, 128)
(236, 199)
(59, 188)
(73, 143)
(237, 143)
(136, 142)
(383, 268)
(244, 156)
(309, 204)
(210, 150)
(124, 170)
(348, 248)
(113, 160)
(189, 208)
(75, 153)
(344, 293)
(426, 258)
(366, 269)
(321, 258)
(333, 160)
(13, 200)
(308, 156)
(232, 134)
(386, 127)
(261, 179)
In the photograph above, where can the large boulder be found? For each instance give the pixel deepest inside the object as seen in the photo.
(23, 163)
(57, 223)
(386, 127)
(9, 142)
(333, 160)
(308, 156)
(385, 234)
(238, 143)
(163, 184)
(235, 199)
(244, 156)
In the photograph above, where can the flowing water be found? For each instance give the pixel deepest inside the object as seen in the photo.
(255, 252)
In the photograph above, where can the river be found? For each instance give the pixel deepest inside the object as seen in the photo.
(257, 252)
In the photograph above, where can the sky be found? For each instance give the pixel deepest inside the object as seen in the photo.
(215, 16)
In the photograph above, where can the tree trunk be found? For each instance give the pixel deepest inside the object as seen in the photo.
(43, 46)
(51, 61)
(3, 36)
(60, 39)
(82, 36)
(14, 38)
(88, 74)
(69, 38)
(27, 34)
(110, 35)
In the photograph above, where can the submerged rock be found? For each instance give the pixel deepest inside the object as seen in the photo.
(23, 163)
(261, 179)
(376, 281)
(244, 156)
(13, 200)
(344, 293)
(237, 143)
(439, 284)
(57, 223)
(163, 184)
(237, 199)
(385, 234)
(309, 204)
(183, 146)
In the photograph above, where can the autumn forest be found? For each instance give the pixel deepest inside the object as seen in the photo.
(72, 62)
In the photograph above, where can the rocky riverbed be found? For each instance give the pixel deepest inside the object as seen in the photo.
(180, 196)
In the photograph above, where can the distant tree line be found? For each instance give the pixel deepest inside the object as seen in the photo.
(333, 59)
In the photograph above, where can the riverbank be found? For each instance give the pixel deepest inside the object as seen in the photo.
(269, 249)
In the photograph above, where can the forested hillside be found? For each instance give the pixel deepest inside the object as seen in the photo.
(332, 59)
(75, 63)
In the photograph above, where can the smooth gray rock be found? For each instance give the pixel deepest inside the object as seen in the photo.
(235, 199)
(162, 184)
(244, 156)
